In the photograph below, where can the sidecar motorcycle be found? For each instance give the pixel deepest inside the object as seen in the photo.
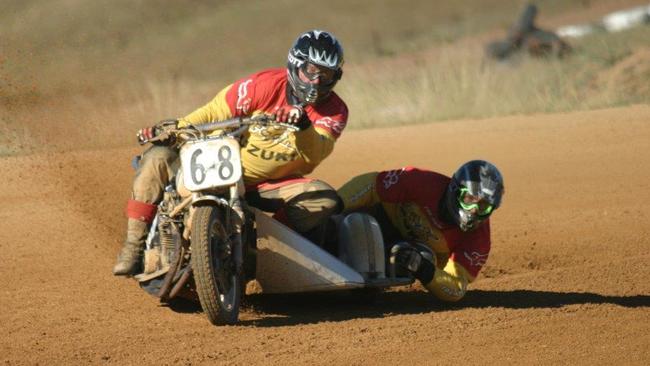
(205, 242)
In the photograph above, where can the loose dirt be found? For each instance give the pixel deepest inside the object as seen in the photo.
(566, 282)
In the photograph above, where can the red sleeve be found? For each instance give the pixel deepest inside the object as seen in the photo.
(240, 96)
(470, 249)
(332, 116)
(410, 184)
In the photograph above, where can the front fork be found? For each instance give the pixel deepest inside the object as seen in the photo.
(236, 192)
(234, 221)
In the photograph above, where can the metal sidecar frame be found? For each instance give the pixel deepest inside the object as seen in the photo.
(288, 263)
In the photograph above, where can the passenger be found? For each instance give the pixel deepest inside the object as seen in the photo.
(436, 228)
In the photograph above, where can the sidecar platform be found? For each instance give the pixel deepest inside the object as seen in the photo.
(288, 262)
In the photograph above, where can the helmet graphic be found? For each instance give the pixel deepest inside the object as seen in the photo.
(474, 192)
(314, 65)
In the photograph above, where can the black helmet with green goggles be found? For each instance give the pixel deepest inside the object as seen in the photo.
(474, 192)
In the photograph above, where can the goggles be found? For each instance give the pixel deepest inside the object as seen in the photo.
(470, 202)
(312, 72)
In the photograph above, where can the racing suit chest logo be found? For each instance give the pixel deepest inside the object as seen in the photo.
(264, 154)
(476, 259)
(416, 224)
(243, 99)
(271, 144)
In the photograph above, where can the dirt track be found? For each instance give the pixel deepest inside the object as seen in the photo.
(566, 282)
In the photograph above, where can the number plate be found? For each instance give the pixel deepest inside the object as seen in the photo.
(210, 164)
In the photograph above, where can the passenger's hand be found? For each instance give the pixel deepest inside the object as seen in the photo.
(417, 259)
(291, 114)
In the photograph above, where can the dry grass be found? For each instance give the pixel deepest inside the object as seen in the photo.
(459, 83)
(63, 46)
(115, 66)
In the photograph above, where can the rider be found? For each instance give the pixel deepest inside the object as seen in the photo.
(437, 228)
(274, 161)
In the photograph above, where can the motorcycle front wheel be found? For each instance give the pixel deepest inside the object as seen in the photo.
(217, 278)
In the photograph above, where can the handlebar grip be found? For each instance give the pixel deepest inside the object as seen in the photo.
(159, 134)
(141, 139)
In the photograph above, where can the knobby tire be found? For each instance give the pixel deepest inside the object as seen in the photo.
(207, 227)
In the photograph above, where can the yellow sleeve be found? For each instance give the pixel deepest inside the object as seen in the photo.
(449, 284)
(215, 110)
(359, 193)
(313, 147)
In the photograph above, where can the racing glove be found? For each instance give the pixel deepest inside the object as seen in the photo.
(292, 114)
(157, 133)
(416, 258)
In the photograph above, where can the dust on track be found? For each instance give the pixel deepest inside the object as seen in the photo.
(566, 277)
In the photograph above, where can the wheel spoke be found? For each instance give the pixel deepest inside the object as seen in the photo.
(216, 277)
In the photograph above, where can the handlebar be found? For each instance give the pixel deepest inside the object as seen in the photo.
(234, 122)
(167, 129)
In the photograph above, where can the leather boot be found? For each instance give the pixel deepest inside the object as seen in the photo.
(130, 256)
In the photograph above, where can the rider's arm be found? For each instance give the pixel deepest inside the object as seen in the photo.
(313, 147)
(450, 283)
(326, 123)
(237, 99)
(359, 193)
(215, 110)
(465, 262)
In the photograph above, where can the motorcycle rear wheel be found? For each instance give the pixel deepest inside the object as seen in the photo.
(218, 281)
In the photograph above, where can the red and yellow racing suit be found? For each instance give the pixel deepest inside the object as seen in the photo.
(273, 159)
(269, 154)
(410, 198)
